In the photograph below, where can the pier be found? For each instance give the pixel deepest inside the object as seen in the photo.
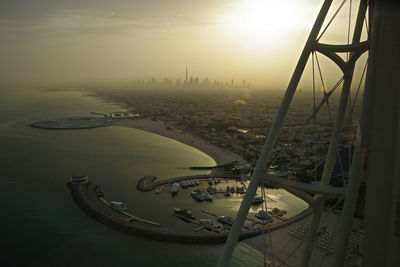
(149, 183)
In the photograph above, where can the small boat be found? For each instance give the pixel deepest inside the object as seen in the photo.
(207, 196)
(211, 225)
(119, 205)
(210, 190)
(159, 189)
(257, 200)
(174, 188)
(226, 220)
(184, 184)
(210, 181)
(282, 212)
(263, 215)
(275, 210)
(197, 182)
(99, 191)
(241, 190)
(188, 214)
(197, 195)
(227, 194)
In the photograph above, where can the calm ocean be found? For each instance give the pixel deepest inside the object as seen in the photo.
(42, 226)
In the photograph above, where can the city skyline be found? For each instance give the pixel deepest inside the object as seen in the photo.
(190, 81)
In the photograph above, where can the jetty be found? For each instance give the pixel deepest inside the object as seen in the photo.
(149, 183)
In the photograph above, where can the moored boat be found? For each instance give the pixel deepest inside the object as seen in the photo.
(282, 212)
(197, 195)
(263, 215)
(275, 210)
(184, 184)
(226, 220)
(210, 190)
(188, 214)
(174, 188)
(119, 205)
(257, 200)
(211, 225)
(207, 196)
(227, 194)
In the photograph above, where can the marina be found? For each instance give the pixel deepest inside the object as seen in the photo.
(128, 222)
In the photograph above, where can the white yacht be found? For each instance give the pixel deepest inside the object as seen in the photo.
(174, 188)
(197, 195)
(119, 205)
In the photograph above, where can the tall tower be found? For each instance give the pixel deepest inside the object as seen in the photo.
(186, 74)
(382, 44)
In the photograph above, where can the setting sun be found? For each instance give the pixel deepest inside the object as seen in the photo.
(257, 22)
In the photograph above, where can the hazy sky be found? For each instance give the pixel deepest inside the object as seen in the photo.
(53, 42)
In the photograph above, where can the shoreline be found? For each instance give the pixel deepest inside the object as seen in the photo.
(219, 155)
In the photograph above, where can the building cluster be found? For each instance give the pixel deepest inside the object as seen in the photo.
(239, 120)
(188, 83)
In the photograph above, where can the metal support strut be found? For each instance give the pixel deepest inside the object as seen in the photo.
(272, 136)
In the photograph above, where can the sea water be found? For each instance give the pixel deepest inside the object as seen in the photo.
(40, 223)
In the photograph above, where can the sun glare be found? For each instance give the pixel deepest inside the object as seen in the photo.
(258, 22)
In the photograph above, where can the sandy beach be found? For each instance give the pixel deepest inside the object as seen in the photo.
(220, 155)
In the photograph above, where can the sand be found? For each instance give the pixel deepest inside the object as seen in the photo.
(220, 155)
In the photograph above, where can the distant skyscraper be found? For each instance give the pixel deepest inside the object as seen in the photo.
(244, 83)
(186, 74)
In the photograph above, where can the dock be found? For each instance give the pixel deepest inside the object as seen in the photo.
(149, 183)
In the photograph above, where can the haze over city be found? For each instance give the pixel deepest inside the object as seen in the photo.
(113, 43)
